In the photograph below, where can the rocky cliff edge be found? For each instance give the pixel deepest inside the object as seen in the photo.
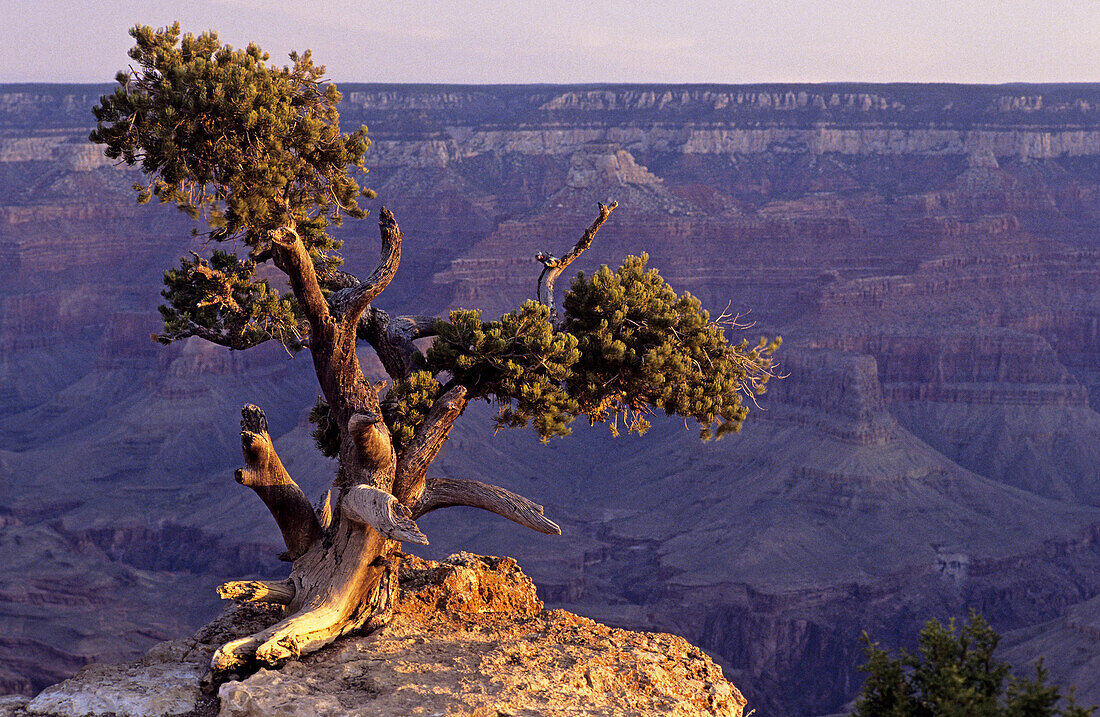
(469, 637)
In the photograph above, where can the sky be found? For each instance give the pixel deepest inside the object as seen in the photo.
(549, 41)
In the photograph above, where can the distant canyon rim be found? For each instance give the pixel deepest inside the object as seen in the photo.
(930, 253)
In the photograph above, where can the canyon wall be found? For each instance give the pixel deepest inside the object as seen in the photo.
(930, 253)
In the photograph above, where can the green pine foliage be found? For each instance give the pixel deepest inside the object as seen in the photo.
(248, 147)
(239, 144)
(954, 674)
(519, 361)
(643, 347)
(326, 435)
(222, 133)
(406, 405)
(223, 296)
(628, 347)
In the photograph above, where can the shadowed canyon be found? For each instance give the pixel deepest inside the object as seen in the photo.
(930, 254)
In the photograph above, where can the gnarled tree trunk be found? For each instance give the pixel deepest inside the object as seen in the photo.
(343, 577)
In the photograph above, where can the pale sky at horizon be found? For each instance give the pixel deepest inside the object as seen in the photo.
(481, 41)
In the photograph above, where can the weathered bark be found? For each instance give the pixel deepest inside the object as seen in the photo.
(351, 303)
(427, 441)
(383, 512)
(292, 257)
(374, 458)
(392, 339)
(337, 585)
(265, 474)
(339, 588)
(341, 574)
(343, 577)
(553, 266)
(279, 592)
(447, 493)
(324, 513)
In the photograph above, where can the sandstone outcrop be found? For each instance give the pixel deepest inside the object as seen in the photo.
(469, 638)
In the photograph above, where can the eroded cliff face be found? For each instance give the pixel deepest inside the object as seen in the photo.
(929, 253)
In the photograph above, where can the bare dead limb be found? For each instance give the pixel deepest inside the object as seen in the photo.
(265, 474)
(279, 592)
(293, 259)
(383, 512)
(395, 350)
(553, 266)
(759, 368)
(233, 658)
(426, 444)
(447, 493)
(354, 301)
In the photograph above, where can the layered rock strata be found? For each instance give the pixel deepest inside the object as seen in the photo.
(928, 252)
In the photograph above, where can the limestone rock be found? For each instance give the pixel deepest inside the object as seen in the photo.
(165, 682)
(13, 705)
(136, 690)
(553, 663)
(469, 637)
(466, 583)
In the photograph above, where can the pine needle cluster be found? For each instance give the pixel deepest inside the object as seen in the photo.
(243, 146)
(645, 348)
(629, 346)
(223, 297)
(406, 405)
(519, 361)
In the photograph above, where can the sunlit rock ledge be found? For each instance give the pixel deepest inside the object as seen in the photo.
(469, 637)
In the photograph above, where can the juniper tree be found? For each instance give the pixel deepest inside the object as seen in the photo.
(954, 673)
(255, 153)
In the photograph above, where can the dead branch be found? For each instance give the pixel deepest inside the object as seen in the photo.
(383, 512)
(392, 341)
(351, 303)
(279, 592)
(447, 493)
(553, 266)
(265, 474)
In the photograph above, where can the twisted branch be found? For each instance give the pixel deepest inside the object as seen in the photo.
(280, 592)
(293, 259)
(383, 512)
(446, 493)
(553, 266)
(265, 474)
(352, 302)
(426, 443)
